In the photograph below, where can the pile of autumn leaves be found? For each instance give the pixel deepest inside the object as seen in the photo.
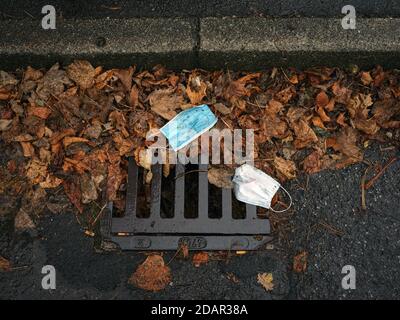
(74, 127)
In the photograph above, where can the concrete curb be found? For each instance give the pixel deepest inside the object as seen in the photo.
(252, 43)
(211, 43)
(109, 42)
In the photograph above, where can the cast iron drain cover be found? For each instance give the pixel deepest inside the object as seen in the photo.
(194, 220)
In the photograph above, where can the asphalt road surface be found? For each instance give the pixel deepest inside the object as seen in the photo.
(18, 9)
(327, 223)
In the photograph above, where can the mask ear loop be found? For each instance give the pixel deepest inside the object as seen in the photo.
(290, 204)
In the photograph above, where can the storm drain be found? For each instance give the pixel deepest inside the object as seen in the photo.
(184, 210)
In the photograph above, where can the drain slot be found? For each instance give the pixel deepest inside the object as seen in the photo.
(184, 208)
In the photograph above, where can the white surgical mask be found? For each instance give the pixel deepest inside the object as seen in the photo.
(255, 187)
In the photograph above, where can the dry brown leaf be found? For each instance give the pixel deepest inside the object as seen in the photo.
(5, 124)
(237, 88)
(125, 76)
(346, 143)
(57, 137)
(70, 140)
(32, 74)
(317, 122)
(300, 262)
(321, 99)
(52, 83)
(359, 104)
(152, 274)
(304, 135)
(200, 258)
(134, 97)
(40, 112)
(312, 163)
(341, 120)
(164, 102)
(184, 248)
(82, 73)
(266, 280)
(51, 182)
(221, 108)
(5, 265)
(88, 189)
(324, 117)
(331, 105)
(196, 89)
(73, 193)
(27, 149)
(366, 78)
(341, 93)
(114, 179)
(220, 177)
(118, 120)
(23, 221)
(286, 167)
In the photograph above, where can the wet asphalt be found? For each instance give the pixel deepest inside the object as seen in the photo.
(328, 223)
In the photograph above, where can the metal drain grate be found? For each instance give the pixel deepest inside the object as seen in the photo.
(157, 232)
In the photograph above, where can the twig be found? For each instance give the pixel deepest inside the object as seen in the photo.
(331, 229)
(371, 182)
(364, 177)
(98, 215)
(174, 256)
(187, 172)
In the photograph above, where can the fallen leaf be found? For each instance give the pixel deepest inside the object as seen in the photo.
(304, 135)
(196, 89)
(114, 180)
(324, 117)
(73, 193)
(27, 149)
(317, 122)
(341, 93)
(266, 280)
(200, 258)
(366, 78)
(164, 102)
(125, 76)
(286, 167)
(134, 97)
(118, 120)
(52, 83)
(88, 189)
(312, 163)
(300, 262)
(184, 248)
(237, 88)
(341, 120)
(5, 124)
(82, 73)
(70, 140)
(40, 112)
(322, 99)
(51, 182)
(221, 108)
(220, 177)
(152, 274)
(5, 265)
(23, 221)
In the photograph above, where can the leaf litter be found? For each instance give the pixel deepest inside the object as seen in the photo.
(72, 128)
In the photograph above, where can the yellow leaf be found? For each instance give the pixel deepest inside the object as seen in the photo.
(265, 279)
